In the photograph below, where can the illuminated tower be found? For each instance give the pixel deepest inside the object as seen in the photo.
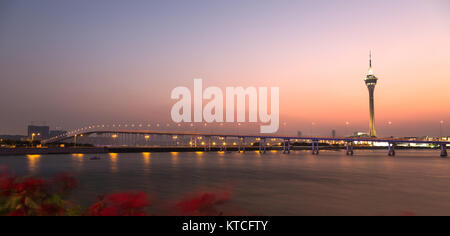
(371, 82)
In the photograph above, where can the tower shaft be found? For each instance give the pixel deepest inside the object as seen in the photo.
(372, 130)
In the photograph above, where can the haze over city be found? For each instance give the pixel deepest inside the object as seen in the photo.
(75, 63)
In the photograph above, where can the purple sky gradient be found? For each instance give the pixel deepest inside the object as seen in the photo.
(75, 63)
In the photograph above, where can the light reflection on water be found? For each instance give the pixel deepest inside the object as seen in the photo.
(79, 160)
(114, 157)
(33, 163)
(146, 158)
(369, 183)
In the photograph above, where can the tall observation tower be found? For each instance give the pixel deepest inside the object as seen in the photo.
(371, 82)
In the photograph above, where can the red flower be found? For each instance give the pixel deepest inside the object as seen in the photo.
(96, 209)
(7, 186)
(65, 182)
(31, 186)
(7, 182)
(204, 204)
(121, 204)
(129, 200)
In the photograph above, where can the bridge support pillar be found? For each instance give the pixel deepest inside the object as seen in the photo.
(444, 150)
(285, 146)
(262, 146)
(265, 146)
(288, 146)
(391, 150)
(239, 145)
(350, 151)
(225, 144)
(208, 145)
(315, 147)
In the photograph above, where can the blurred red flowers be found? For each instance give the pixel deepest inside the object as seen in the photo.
(30, 196)
(121, 204)
(30, 187)
(203, 204)
(65, 183)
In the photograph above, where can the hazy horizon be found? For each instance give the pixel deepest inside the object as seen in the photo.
(77, 63)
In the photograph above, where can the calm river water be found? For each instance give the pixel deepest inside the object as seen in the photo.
(370, 183)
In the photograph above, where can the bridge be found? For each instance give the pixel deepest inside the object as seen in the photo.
(205, 140)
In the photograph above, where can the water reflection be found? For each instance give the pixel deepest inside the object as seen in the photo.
(146, 160)
(199, 159)
(174, 158)
(146, 156)
(33, 163)
(78, 159)
(114, 157)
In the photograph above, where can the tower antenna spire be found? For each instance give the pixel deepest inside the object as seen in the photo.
(370, 63)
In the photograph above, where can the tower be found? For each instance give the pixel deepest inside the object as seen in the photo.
(371, 82)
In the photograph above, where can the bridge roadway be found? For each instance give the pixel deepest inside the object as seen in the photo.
(392, 142)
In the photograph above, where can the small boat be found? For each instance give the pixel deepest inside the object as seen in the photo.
(94, 158)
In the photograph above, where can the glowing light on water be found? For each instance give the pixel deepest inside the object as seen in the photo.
(33, 162)
(146, 156)
(114, 159)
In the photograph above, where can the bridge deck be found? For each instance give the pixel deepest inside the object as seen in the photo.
(260, 136)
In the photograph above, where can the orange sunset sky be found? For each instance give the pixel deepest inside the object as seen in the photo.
(77, 63)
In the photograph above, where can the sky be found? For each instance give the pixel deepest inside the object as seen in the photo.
(75, 63)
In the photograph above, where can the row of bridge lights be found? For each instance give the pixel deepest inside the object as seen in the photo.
(74, 132)
(347, 124)
(147, 137)
(133, 126)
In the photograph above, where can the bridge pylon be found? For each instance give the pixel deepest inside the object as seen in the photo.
(350, 151)
(391, 150)
(286, 146)
(315, 147)
(262, 145)
(444, 150)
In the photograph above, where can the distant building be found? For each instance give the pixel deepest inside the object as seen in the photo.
(299, 133)
(13, 137)
(333, 133)
(361, 134)
(38, 132)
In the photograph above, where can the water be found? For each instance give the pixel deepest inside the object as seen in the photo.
(369, 183)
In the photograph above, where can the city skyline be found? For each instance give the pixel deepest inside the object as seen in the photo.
(70, 67)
